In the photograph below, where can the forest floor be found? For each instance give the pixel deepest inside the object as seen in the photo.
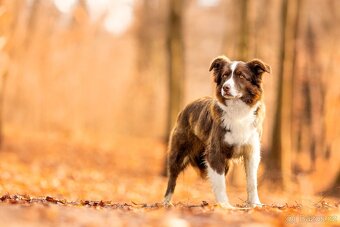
(54, 182)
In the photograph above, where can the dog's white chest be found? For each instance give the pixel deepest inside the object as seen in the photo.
(238, 120)
(239, 132)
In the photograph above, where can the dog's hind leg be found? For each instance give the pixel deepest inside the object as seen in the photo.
(177, 161)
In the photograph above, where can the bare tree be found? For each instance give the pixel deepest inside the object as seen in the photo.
(2, 97)
(243, 46)
(313, 120)
(237, 47)
(145, 34)
(282, 149)
(148, 29)
(175, 56)
(8, 24)
(32, 21)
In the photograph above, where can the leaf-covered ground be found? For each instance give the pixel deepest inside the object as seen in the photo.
(58, 182)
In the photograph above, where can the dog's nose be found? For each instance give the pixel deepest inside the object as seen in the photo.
(226, 88)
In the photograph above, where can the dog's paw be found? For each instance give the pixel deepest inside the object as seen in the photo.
(225, 206)
(254, 204)
(167, 204)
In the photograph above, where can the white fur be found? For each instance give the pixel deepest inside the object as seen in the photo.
(233, 65)
(167, 199)
(238, 118)
(251, 164)
(218, 185)
(233, 90)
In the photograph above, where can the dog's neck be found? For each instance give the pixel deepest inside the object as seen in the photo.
(237, 109)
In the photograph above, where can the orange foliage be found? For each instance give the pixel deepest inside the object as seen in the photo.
(54, 179)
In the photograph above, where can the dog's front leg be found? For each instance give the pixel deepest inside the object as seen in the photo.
(217, 167)
(217, 181)
(251, 163)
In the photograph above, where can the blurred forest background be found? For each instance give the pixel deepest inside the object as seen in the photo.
(98, 71)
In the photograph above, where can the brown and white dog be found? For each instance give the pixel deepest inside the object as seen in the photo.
(211, 132)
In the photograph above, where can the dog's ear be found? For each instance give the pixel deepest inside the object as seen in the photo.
(258, 67)
(217, 65)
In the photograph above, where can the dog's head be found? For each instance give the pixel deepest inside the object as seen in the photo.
(238, 79)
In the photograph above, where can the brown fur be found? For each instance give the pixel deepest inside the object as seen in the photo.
(198, 134)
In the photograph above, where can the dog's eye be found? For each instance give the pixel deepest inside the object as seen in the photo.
(241, 76)
(225, 75)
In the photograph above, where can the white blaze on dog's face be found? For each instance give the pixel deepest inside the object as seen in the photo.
(238, 79)
(229, 88)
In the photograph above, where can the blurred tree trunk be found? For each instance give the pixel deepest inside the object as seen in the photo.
(316, 95)
(145, 36)
(259, 33)
(143, 81)
(4, 74)
(2, 97)
(175, 56)
(243, 46)
(80, 18)
(315, 121)
(32, 22)
(235, 41)
(8, 25)
(82, 34)
(281, 151)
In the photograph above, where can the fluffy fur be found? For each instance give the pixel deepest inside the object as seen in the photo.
(211, 132)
